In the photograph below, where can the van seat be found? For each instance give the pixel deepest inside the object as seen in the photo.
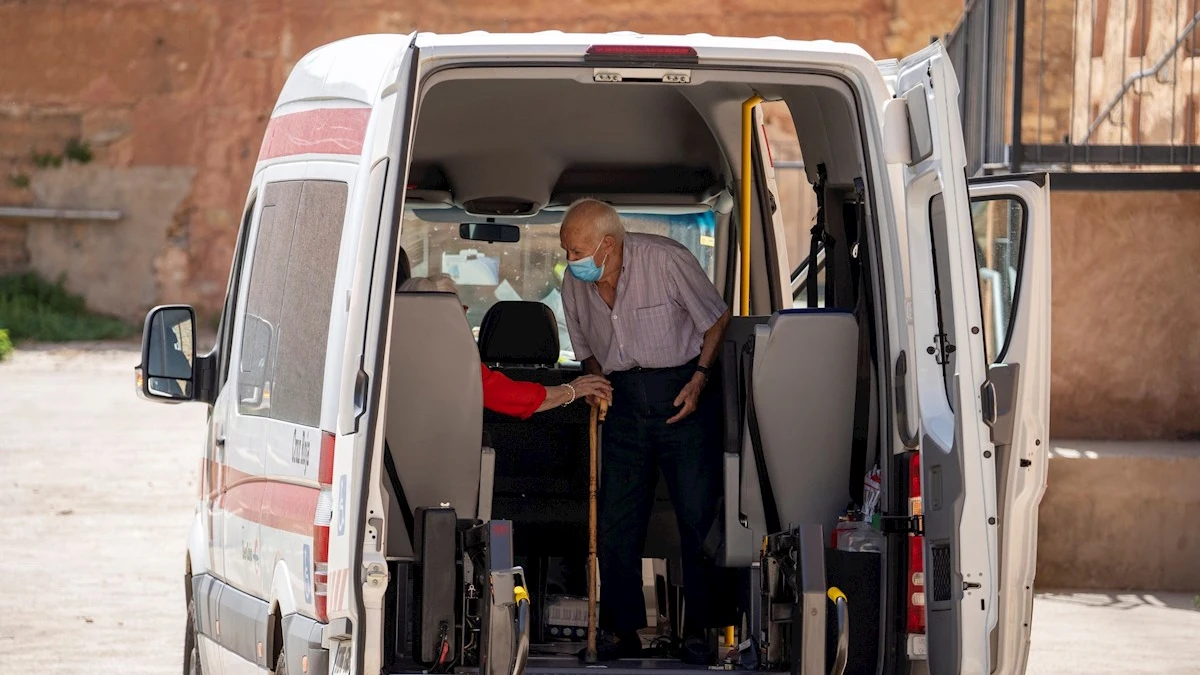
(803, 388)
(513, 333)
(541, 463)
(434, 409)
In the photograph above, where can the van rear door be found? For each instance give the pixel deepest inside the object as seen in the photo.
(957, 464)
(357, 570)
(1011, 227)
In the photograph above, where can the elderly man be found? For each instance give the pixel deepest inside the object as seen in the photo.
(642, 312)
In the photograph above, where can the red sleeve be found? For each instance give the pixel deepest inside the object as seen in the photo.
(507, 397)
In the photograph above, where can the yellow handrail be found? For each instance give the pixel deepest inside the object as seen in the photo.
(747, 118)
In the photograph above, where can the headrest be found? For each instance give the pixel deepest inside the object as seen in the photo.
(517, 332)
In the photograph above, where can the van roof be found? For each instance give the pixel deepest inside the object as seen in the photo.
(357, 69)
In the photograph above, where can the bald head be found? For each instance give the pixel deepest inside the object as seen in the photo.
(594, 219)
(591, 228)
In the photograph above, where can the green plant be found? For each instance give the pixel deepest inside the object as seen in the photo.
(6, 345)
(32, 308)
(46, 160)
(78, 151)
(19, 180)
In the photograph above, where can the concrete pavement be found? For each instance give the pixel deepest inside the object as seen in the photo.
(96, 496)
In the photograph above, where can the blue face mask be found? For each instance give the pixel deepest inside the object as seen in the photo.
(585, 269)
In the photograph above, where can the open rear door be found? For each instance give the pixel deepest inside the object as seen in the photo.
(958, 484)
(1011, 227)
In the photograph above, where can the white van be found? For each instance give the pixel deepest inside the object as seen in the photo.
(360, 512)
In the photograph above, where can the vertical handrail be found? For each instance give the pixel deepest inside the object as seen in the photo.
(843, 627)
(747, 173)
(521, 658)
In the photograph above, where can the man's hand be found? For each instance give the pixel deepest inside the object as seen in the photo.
(688, 397)
(594, 388)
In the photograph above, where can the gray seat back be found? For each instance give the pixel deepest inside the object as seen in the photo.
(435, 403)
(803, 388)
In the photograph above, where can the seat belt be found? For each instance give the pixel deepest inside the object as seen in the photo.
(865, 319)
(818, 240)
(401, 499)
(770, 506)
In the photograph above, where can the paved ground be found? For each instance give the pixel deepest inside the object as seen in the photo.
(96, 491)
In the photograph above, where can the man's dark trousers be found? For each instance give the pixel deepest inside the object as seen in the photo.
(637, 443)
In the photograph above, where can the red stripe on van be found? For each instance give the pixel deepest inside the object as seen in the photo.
(282, 506)
(331, 131)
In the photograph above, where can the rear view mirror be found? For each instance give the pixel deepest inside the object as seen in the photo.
(169, 354)
(490, 232)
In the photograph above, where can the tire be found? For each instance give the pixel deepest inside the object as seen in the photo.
(281, 663)
(191, 646)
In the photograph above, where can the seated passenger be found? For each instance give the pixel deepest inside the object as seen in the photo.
(509, 397)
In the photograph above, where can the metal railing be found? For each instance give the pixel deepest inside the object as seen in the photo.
(1127, 96)
(1087, 89)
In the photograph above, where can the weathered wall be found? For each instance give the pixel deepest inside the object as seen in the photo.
(172, 84)
(1121, 516)
(1126, 359)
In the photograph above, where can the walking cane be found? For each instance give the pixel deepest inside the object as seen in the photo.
(598, 415)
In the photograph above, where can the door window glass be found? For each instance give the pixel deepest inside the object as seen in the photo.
(999, 228)
(289, 299)
(943, 344)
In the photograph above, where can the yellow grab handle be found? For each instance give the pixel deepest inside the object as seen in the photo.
(519, 594)
(835, 594)
(747, 172)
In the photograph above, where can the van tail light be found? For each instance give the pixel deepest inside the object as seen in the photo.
(916, 551)
(321, 521)
(641, 54)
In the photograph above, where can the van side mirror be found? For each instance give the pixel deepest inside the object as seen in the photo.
(168, 369)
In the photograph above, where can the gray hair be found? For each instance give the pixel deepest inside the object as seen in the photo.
(604, 218)
(437, 283)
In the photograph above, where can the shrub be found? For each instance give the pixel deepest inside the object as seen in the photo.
(32, 308)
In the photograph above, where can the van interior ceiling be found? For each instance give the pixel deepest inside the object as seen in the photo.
(518, 149)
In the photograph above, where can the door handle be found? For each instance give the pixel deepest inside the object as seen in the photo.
(219, 441)
(987, 395)
(910, 442)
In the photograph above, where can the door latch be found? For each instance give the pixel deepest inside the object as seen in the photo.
(902, 525)
(941, 349)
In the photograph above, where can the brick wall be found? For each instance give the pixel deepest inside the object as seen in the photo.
(148, 83)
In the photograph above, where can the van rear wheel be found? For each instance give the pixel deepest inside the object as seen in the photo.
(191, 646)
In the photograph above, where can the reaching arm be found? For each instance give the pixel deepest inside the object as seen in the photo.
(585, 386)
(690, 395)
(712, 340)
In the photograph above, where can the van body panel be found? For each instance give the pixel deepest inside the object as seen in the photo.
(1020, 380)
(958, 480)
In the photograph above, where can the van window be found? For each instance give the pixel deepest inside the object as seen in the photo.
(945, 351)
(999, 226)
(796, 201)
(533, 268)
(288, 301)
(232, 292)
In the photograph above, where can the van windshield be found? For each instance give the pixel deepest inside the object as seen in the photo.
(532, 268)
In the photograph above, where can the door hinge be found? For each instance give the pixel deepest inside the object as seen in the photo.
(941, 349)
(902, 525)
(376, 576)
